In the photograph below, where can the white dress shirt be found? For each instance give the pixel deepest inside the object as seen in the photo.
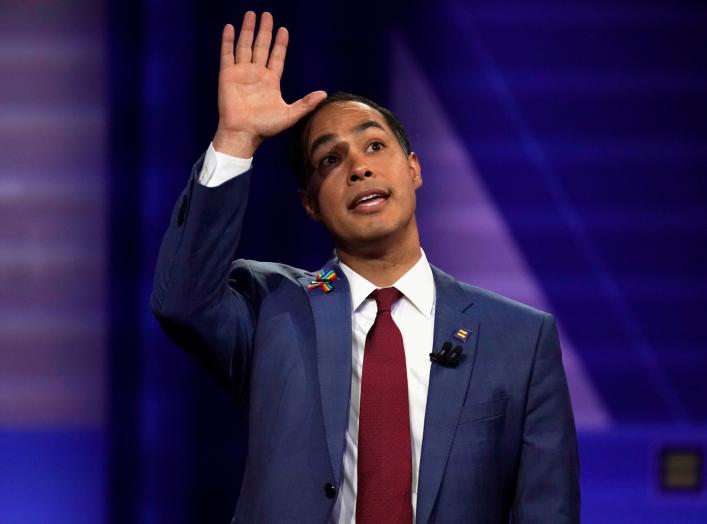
(220, 167)
(413, 313)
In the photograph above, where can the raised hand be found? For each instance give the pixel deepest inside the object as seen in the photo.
(250, 105)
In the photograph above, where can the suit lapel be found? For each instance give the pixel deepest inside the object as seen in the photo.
(332, 320)
(447, 388)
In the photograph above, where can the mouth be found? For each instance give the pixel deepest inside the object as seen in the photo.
(369, 199)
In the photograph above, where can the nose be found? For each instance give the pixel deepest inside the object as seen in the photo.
(359, 171)
(355, 177)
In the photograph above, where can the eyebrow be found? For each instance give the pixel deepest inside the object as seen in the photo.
(357, 129)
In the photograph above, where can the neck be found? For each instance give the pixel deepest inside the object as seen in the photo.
(382, 266)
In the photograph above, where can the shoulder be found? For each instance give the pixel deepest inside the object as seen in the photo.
(265, 274)
(493, 306)
(258, 281)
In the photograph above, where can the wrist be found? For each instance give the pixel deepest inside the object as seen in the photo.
(238, 144)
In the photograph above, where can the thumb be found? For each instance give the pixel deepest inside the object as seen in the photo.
(306, 104)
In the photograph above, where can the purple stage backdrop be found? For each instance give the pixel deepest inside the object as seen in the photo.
(564, 158)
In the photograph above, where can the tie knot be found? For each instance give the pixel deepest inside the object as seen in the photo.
(386, 297)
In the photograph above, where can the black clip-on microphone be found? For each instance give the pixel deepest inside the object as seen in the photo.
(448, 356)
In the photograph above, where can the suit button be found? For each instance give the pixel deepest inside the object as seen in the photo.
(329, 490)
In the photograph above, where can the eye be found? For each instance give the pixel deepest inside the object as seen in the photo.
(327, 161)
(376, 146)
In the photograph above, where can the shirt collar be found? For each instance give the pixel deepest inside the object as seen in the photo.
(417, 285)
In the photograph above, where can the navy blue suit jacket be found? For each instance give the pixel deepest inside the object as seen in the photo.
(499, 438)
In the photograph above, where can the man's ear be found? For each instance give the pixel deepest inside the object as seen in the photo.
(310, 204)
(415, 169)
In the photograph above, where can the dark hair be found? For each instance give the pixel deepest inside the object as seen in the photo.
(298, 154)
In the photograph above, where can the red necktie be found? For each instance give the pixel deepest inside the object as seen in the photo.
(384, 491)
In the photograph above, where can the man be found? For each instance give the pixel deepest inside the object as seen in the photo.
(379, 389)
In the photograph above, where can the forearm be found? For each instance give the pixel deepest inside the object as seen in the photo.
(204, 230)
(191, 296)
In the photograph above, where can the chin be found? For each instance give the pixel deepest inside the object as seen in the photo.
(372, 237)
(375, 231)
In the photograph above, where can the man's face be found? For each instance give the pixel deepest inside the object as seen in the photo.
(363, 184)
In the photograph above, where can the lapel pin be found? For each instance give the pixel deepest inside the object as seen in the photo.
(462, 334)
(323, 280)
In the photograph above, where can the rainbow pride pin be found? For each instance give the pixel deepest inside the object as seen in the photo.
(324, 280)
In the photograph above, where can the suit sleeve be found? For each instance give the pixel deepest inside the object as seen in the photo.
(547, 488)
(192, 298)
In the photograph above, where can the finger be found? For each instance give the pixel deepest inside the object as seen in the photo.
(245, 38)
(261, 49)
(227, 38)
(276, 63)
(305, 105)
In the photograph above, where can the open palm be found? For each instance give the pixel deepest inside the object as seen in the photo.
(251, 107)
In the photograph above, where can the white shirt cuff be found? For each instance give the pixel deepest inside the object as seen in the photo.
(220, 167)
